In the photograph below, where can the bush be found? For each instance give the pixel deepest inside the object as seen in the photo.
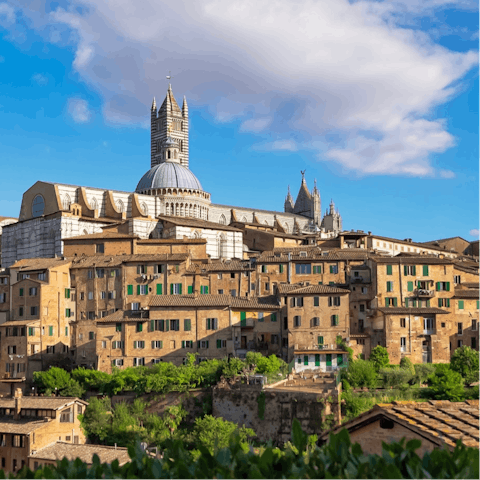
(465, 362)
(379, 357)
(407, 364)
(361, 373)
(356, 404)
(338, 459)
(423, 372)
(447, 385)
(395, 378)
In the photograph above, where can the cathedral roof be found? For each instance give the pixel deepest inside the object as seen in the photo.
(170, 104)
(168, 175)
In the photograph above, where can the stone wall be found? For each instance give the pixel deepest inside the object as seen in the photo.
(243, 405)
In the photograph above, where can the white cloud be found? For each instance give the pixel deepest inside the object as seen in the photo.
(474, 232)
(40, 79)
(7, 13)
(79, 111)
(345, 76)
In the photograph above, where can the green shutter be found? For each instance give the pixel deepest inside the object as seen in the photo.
(187, 324)
(320, 340)
(414, 302)
(414, 270)
(281, 268)
(448, 286)
(273, 317)
(320, 283)
(206, 289)
(67, 293)
(140, 327)
(167, 325)
(50, 331)
(395, 301)
(190, 289)
(389, 269)
(448, 302)
(386, 301)
(162, 325)
(243, 319)
(159, 288)
(317, 360)
(329, 359)
(135, 344)
(336, 319)
(410, 286)
(389, 286)
(440, 302)
(405, 270)
(339, 359)
(171, 289)
(180, 288)
(305, 360)
(21, 292)
(438, 286)
(206, 343)
(209, 324)
(198, 344)
(477, 304)
(219, 344)
(30, 331)
(129, 289)
(138, 289)
(183, 343)
(331, 269)
(460, 304)
(406, 302)
(152, 325)
(161, 343)
(316, 301)
(425, 270)
(428, 303)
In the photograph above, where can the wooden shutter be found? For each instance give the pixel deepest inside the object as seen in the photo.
(198, 343)
(410, 286)
(389, 269)
(219, 344)
(167, 325)
(414, 270)
(138, 289)
(206, 289)
(406, 302)
(425, 270)
(438, 286)
(187, 324)
(50, 331)
(159, 288)
(395, 301)
(135, 344)
(448, 302)
(209, 324)
(273, 317)
(161, 343)
(320, 340)
(67, 293)
(305, 360)
(206, 344)
(153, 343)
(447, 286)
(316, 301)
(152, 325)
(405, 270)
(183, 343)
(460, 304)
(129, 289)
(180, 288)
(190, 289)
(440, 302)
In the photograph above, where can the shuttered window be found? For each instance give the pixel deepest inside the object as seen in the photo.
(159, 289)
(316, 301)
(425, 270)
(389, 270)
(129, 289)
(190, 289)
(187, 324)
(67, 293)
(410, 286)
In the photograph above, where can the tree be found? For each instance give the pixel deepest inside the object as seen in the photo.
(447, 385)
(361, 373)
(51, 379)
(395, 377)
(97, 419)
(465, 362)
(423, 371)
(379, 357)
(407, 364)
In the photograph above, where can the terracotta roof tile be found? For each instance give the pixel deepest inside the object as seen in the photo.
(413, 260)
(125, 316)
(285, 289)
(464, 293)
(19, 427)
(411, 311)
(269, 302)
(59, 450)
(46, 403)
(29, 264)
(470, 285)
(227, 266)
(106, 261)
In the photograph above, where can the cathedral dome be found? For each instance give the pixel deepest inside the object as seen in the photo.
(168, 175)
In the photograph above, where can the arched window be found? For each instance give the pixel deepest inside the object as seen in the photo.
(285, 226)
(169, 154)
(244, 219)
(66, 202)
(144, 208)
(93, 203)
(223, 220)
(120, 206)
(38, 206)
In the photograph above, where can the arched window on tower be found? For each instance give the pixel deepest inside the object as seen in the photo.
(223, 220)
(120, 206)
(169, 154)
(66, 202)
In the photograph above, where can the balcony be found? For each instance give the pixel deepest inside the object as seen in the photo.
(247, 323)
(429, 331)
(420, 292)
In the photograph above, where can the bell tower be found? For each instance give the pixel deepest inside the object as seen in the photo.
(169, 121)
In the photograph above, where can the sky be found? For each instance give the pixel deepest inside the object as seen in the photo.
(376, 100)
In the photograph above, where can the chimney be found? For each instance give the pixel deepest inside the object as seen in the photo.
(18, 404)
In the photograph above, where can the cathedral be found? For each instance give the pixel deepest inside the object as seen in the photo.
(168, 194)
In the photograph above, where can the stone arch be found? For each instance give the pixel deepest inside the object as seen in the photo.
(144, 208)
(120, 206)
(84, 232)
(93, 203)
(244, 219)
(222, 220)
(285, 226)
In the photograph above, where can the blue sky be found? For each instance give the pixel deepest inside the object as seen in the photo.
(376, 100)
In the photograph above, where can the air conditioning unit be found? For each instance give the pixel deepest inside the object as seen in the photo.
(144, 277)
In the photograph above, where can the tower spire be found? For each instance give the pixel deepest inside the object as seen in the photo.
(154, 104)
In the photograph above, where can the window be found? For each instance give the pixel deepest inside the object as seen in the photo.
(18, 441)
(409, 270)
(232, 275)
(104, 344)
(188, 344)
(460, 328)
(32, 291)
(402, 323)
(425, 271)
(139, 344)
(187, 324)
(175, 325)
(297, 302)
(141, 269)
(403, 343)
(297, 321)
(333, 301)
(443, 324)
(203, 289)
(159, 268)
(389, 269)
(99, 248)
(303, 268)
(334, 319)
(157, 344)
(202, 344)
(50, 331)
(233, 293)
(12, 350)
(260, 316)
(175, 289)
(333, 268)
(142, 289)
(389, 286)
(50, 349)
(459, 343)
(281, 268)
(315, 322)
(364, 290)
(42, 276)
(3, 297)
(273, 317)
(474, 325)
(139, 327)
(91, 315)
(264, 269)
(443, 302)
(118, 344)
(316, 301)
(90, 274)
(457, 279)
(90, 295)
(390, 301)
(112, 294)
(386, 423)
(221, 343)
(34, 311)
(212, 323)
(100, 272)
(443, 286)
(20, 293)
(460, 304)
(138, 361)
(135, 306)
(360, 341)
(317, 269)
(103, 295)
(220, 292)
(91, 335)
(267, 286)
(115, 272)
(362, 307)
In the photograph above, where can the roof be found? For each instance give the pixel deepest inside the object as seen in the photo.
(7, 218)
(227, 266)
(117, 260)
(444, 240)
(45, 403)
(196, 223)
(414, 244)
(123, 316)
(29, 264)
(59, 450)
(168, 174)
(19, 427)
(257, 210)
(467, 293)
(411, 311)
(312, 253)
(439, 421)
(268, 302)
(413, 260)
(100, 236)
(18, 323)
(470, 285)
(284, 289)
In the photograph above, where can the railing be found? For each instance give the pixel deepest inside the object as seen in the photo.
(420, 292)
(429, 331)
(247, 323)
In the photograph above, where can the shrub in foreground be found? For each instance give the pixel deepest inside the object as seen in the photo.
(338, 459)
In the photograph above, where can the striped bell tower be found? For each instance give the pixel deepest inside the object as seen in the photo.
(169, 121)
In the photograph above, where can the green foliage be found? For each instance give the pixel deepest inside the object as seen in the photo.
(299, 459)
(447, 385)
(465, 362)
(423, 372)
(379, 357)
(356, 404)
(96, 421)
(261, 405)
(341, 343)
(395, 377)
(407, 364)
(50, 379)
(361, 373)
